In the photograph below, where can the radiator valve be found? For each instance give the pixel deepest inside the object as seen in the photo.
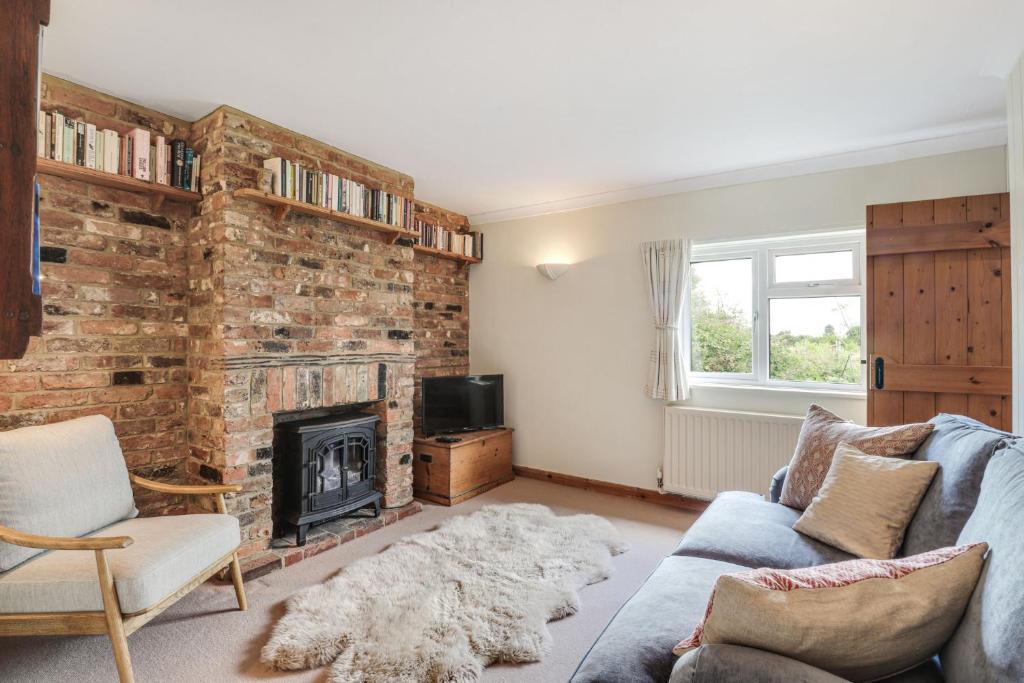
(661, 481)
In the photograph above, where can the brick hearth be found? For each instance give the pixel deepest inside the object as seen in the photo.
(191, 326)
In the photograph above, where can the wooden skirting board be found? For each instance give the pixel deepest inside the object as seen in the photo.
(621, 490)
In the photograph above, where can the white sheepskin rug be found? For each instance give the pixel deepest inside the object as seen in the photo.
(442, 605)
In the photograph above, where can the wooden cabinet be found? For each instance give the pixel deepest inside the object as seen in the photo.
(449, 473)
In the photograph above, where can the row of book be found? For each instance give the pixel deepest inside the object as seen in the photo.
(329, 191)
(135, 154)
(465, 243)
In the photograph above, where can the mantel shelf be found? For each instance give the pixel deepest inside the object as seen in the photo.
(441, 253)
(283, 206)
(118, 182)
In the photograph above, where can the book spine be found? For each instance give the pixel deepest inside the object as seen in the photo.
(101, 152)
(139, 146)
(90, 145)
(113, 149)
(58, 136)
(160, 162)
(41, 134)
(79, 143)
(186, 179)
(69, 140)
(178, 161)
(196, 169)
(48, 142)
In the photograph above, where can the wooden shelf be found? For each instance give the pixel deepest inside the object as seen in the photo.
(118, 182)
(454, 256)
(283, 206)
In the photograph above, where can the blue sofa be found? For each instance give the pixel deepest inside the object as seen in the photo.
(977, 495)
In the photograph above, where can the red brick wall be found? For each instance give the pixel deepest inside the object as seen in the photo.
(191, 325)
(115, 300)
(441, 307)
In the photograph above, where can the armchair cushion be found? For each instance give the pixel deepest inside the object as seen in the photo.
(64, 479)
(167, 553)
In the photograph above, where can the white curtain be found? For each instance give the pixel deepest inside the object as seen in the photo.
(667, 266)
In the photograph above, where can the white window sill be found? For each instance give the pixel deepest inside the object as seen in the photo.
(858, 394)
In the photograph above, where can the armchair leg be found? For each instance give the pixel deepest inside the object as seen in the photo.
(115, 626)
(236, 578)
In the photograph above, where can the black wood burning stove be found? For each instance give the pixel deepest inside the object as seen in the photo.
(326, 468)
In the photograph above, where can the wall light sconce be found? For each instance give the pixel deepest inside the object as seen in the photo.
(552, 271)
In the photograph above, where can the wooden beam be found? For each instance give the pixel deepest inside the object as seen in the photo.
(991, 380)
(21, 311)
(929, 238)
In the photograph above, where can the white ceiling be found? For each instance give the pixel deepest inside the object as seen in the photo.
(496, 104)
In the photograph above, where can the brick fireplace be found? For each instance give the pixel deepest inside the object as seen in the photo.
(191, 327)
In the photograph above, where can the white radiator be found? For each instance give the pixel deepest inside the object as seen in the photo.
(710, 451)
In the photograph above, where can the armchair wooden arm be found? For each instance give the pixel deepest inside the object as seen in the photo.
(184, 489)
(9, 535)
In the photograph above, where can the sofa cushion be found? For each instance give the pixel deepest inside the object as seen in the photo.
(962, 447)
(735, 663)
(167, 553)
(742, 528)
(987, 644)
(717, 663)
(866, 502)
(860, 619)
(636, 646)
(821, 432)
(64, 479)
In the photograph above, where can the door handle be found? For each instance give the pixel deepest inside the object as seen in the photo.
(879, 373)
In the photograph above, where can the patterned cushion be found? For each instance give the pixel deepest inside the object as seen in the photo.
(821, 433)
(859, 619)
(866, 502)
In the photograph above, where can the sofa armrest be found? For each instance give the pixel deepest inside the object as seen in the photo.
(775, 489)
(8, 535)
(717, 663)
(184, 489)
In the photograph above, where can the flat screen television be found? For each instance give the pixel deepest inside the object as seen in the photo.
(462, 404)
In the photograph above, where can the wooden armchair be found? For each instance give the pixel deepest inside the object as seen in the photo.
(139, 568)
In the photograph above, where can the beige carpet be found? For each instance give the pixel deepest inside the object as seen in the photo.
(205, 639)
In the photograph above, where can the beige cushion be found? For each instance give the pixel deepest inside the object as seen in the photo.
(866, 502)
(859, 619)
(64, 479)
(821, 432)
(168, 552)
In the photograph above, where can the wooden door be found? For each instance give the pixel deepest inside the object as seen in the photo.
(938, 310)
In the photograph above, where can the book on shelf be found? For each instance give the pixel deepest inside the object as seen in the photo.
(469, 244)
(90, 145)
(134, 154)
(69, 141)
(160, 159)
(41, 135)
(327, 190)
(80, 143)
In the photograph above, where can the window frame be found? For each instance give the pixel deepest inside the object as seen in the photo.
(762, 253)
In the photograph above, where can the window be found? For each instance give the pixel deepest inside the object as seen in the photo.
(780, 312)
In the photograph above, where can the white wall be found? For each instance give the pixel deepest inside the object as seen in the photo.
(1015, 164)
(574, 351)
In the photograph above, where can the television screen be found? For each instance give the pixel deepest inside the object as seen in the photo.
(460, 404)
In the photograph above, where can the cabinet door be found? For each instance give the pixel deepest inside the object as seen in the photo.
(938, 310)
